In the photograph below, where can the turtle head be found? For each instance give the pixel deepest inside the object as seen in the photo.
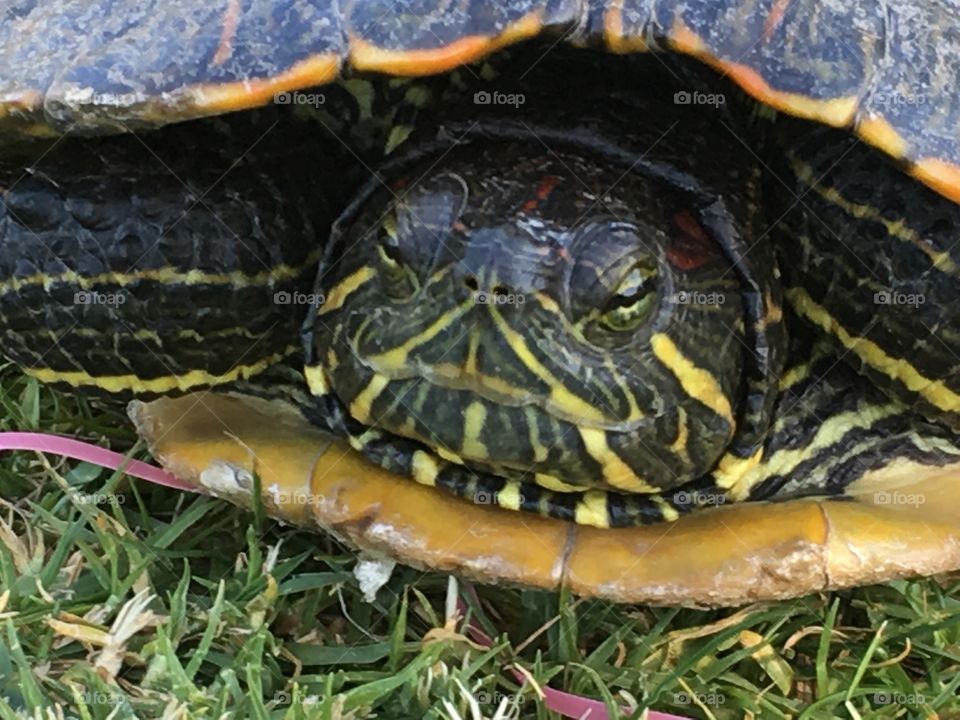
(531, 311)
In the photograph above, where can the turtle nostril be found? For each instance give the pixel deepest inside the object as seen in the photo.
(501, 291)
(471, 282)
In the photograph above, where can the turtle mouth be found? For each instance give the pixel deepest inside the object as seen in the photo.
(478, 420)
(460, 381)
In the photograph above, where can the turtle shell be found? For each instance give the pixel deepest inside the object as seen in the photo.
(886, 71)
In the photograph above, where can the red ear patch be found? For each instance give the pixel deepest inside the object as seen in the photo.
(543, 191)
(691, 247)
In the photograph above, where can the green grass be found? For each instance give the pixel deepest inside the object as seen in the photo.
(228, 615)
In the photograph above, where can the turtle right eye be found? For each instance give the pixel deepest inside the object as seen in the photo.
(634, 300)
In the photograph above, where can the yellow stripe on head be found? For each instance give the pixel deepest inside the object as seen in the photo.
(615, 471)
(396, 358)
(474, 418)
(679, 446)
(457, 374)
(697, 382)
(339, 293)
(636, 414)
(448, 455)
(362, 404)
(540, 451)
(470, 367)
(560, 396)
(551, 482)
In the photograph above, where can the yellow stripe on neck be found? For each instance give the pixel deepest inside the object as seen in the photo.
(190, 380)
(592, 510)
(935, 392)
(164, 275)
(897, 228)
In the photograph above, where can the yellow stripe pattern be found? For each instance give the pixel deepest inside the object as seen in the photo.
(165, 275)
(697, 382)
(362, 404)
(425, 468)
(338, 294)
(474, 418)
(615, 471)
(560, 396)
(190, 380)
(897, 228)
(933, 391)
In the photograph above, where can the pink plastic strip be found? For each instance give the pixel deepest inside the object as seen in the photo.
(566, 704)
(79, 450)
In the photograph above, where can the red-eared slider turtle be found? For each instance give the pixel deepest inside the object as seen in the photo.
(600, 288)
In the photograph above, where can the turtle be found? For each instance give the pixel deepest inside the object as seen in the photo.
(646, 276)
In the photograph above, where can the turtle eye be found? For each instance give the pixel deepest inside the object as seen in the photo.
(400, 282)
(634, 300)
